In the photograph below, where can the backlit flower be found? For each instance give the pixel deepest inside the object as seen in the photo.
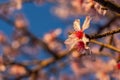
(50, 39)
(18, 4)
(100, 9)
(20, 21)
(78, 39)
(2, 37)
(17, 70)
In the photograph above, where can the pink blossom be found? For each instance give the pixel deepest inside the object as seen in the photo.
(78, 39)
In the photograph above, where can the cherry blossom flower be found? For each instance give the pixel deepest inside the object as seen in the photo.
(2, 37)
(88, 4)
(102, 76)
(18, 4)
(100, 9)
(20, 21)
(48, 37)
(78, 39)
(2, 66)
(17, 70)
(73, 8)
(50, 40)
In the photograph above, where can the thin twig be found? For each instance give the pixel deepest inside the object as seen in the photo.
(96, 36)
(107, 25)
(49, 61)
(105, 45)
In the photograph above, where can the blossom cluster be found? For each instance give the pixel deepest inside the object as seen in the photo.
(65, 8)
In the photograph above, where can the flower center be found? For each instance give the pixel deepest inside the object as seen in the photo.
(81, 1)
(118, 65)
(79, 34)
(80, 45)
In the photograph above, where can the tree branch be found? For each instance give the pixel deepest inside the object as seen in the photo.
(109, 5)
(105, 45)
(107, 25)
(96, 36)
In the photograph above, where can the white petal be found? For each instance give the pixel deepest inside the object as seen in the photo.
(85, 40)
(86, 23)
(76, 25)
(72, 36)
(104, 12)
(99, 9)
(70, 39)
(71, 42)
(57, 32)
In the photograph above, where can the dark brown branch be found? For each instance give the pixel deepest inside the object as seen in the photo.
(104, 34)
(49, 61)
(109, 5)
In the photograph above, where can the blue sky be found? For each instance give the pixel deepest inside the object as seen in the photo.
(40, 19)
